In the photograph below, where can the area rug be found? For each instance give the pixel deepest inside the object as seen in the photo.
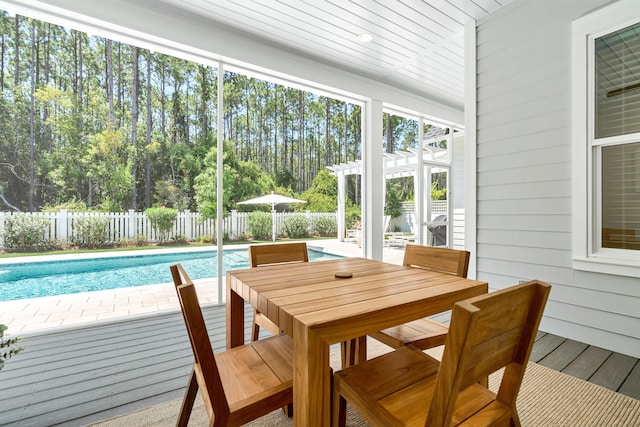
(547, 398)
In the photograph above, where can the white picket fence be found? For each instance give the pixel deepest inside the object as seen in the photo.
(131, 224)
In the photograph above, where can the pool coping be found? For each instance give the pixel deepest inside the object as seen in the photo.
(107, 254)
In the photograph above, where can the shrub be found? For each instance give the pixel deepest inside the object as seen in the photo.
(205, 238)
(260, 224)
(296, 226)
(393, 204)
(180, 239)
(352, 218)
(24, 232)
(140, 240)
(162, 220)
(90, 232)
(8, 347)
(326, 226)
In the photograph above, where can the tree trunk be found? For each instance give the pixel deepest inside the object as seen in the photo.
(327, 135)
(345, 131)
(120, 102)
(80, 73)
(134, 124)
(163, 98)
(300, 139)
(16, 52)
(108, 47)
(147, 181)
(275, 132)
(2, 49)
(32, 124)
(387, 121)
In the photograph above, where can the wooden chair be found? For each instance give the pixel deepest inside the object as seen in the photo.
(426, 333)
(408, 387)
(269, 254)
(238, 385)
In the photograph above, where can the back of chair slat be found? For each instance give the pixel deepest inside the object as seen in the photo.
(443, 260)
(278, 253)
(205, 362)
(487, 333)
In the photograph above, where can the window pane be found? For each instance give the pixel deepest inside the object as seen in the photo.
(617, 82)
(621, 196)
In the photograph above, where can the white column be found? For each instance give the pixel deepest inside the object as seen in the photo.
(341, 205)
(372, 180)
(219, 185)
(420, 192)
(470, 149)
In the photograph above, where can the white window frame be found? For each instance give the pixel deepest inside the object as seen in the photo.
(588, 254)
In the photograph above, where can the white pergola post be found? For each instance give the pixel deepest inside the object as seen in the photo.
(341, 205)
(420, 192)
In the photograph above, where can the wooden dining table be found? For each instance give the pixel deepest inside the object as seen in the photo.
(316, 308)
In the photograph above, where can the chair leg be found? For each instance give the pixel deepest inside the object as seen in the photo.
(187, 401)
(288, 410)
(361, 349)
(353, 351)
(338, 411)
(255, 328)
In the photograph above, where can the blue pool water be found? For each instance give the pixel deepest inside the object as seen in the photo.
(39, 279)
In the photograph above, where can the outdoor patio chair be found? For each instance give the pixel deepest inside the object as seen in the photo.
(237, 385)
(409, 387)
(269, 254)
(426, 333)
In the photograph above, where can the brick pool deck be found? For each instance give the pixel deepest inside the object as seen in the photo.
(36, 314)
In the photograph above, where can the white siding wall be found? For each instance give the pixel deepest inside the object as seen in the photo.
(524, 174)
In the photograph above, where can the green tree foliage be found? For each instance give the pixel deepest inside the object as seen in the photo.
(118, 127)
(8, 347)
(393, 204)
(322, 196)
(240, 181)
(111, 176)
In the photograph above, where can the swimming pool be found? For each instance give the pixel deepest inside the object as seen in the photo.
(39, 279)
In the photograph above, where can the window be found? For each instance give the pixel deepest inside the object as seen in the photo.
(606, 129)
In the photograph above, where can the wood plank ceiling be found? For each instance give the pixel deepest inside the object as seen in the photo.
(417, 45)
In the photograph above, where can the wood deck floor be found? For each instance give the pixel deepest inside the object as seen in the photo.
(76, 376)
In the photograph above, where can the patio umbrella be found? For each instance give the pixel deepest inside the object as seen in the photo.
(273, 200)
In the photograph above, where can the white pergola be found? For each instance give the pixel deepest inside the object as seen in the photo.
(397, 165)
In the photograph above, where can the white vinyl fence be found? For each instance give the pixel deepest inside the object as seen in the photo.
(132, 224)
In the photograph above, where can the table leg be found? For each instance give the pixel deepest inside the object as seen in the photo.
(311, 378)
(235, 319)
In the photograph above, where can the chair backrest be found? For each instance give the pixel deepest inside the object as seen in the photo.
(487, 333)
(278, 253)
(443, 260)
(205, 362)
